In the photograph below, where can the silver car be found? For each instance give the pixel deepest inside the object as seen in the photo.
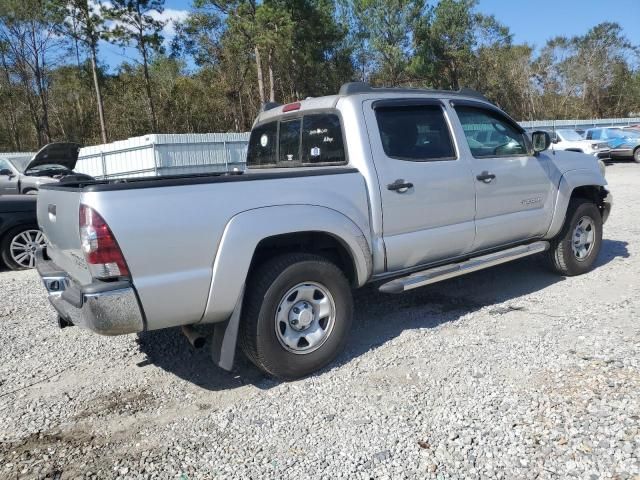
(25, 174)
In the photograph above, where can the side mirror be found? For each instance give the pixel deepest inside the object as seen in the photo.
(7, 172)
(555, 140)
(541, 141)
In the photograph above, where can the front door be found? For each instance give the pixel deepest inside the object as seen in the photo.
(426, 186)
(513, 187)
(8, 183)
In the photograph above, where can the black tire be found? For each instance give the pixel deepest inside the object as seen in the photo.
(265, 290)
(561, 255)
(5, 252)
(636, 155)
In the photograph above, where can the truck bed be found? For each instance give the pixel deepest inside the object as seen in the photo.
(170, 228)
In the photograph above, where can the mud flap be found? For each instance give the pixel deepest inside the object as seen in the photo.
(225, 336)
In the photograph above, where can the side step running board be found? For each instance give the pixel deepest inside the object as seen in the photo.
(437, 274)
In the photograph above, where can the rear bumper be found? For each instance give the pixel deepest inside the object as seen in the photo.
(107, 308)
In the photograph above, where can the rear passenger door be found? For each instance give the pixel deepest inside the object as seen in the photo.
(427, 192)
(513, 187)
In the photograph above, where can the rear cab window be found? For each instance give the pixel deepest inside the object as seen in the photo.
(417, 133)
(312, 139)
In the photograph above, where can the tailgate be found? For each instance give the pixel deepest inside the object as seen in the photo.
(58, 217)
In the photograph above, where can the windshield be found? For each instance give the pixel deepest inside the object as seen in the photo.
(20, 162)
(630, 134)
(570, 135)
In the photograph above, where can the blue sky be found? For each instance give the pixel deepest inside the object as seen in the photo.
(532, 22)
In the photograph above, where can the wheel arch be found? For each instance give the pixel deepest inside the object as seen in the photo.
(325, 244)
(253, 236)
(580, 183)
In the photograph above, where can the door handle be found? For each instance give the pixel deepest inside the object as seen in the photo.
(485, 177)
(400, 186)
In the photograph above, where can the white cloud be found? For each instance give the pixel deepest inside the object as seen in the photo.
(171, 17)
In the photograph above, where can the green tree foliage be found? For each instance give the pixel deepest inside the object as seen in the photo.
(134, 24)
(385, 29)
(84, 23)
(228, 57)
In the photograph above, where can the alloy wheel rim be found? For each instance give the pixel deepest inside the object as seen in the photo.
(583, 238)
(305, 318)
(23, 247)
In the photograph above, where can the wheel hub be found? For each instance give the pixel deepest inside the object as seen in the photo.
(301, 316)
(23, 247)
(583, 238)
(305, 317)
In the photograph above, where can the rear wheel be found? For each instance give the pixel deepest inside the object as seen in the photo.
(296, 316)
(578, 244)
(636, 155)
(19, 246)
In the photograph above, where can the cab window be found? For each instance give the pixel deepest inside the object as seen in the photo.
(311, 140)
(4, 165)
(489, 134)
(416, 133)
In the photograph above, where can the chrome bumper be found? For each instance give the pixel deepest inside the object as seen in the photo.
(107, 308)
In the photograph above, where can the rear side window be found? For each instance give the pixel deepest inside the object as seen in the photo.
(311, 140)
(416, 133)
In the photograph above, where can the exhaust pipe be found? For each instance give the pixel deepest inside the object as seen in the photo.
(196, 339)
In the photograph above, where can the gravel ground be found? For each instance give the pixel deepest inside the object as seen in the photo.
(508, 373)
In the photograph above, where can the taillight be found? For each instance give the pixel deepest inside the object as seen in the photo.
(100, 248)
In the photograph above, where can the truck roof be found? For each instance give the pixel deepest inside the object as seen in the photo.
(360, 89)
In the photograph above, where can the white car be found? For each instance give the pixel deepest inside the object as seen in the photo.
(570, 140)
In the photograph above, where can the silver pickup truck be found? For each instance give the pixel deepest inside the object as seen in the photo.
(400, 187)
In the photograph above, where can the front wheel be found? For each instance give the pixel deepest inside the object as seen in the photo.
(636, 155)
(296, 316)
(577, 246)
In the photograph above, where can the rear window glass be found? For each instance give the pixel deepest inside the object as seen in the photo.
(289, 146)
(314, 139)
(263, 145)
(417, 133)
(322, 140)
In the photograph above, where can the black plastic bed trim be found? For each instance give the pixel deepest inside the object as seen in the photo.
(180, 180)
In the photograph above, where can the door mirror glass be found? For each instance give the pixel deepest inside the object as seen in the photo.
(541, 141)
(7, 172)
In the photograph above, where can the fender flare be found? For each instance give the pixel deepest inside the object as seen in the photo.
(247, 229)
(569, 181)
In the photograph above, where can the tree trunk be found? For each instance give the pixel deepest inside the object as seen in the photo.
(272, 90)
(260, 79)
(96, 86)
(38, 71)
(147, 84)
(13, 121)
